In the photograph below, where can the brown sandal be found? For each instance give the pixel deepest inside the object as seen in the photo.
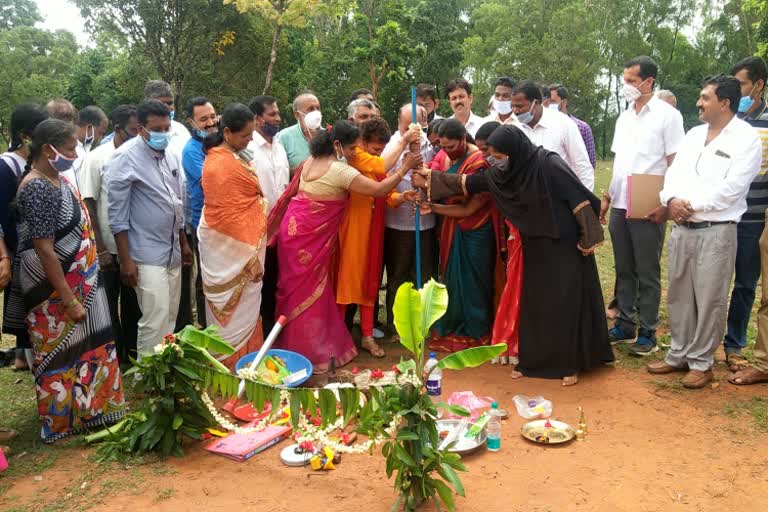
(736, 362)
(748, 376)
(369, 345)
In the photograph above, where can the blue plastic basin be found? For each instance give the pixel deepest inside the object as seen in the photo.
(293, 360)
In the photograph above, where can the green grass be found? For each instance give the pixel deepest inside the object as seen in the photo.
(756, 407)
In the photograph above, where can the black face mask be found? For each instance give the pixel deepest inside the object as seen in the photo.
(431, 116)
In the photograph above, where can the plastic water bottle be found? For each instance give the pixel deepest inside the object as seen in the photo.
(434, 380)
(493, 430)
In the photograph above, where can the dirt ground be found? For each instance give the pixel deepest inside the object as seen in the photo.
(651, 447)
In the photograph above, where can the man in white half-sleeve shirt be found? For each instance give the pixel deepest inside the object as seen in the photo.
(647, 136)
(706, 192)
(271, 163)
(551, 130)
(460, 97)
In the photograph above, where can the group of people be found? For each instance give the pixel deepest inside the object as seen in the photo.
(110, 242)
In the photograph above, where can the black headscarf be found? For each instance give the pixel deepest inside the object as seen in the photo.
(522, 187)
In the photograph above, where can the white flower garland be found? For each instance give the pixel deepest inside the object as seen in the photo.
(221, 420)
(306, 431)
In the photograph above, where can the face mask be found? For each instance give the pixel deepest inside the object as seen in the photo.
(313, 120)
(555, 106)
(458, 152)
(61, 163)
(158, 140)
(491, 160)
(502, 107)
(173, 113)
(527, 117)
(270, 129)
(88, 142)
(746, 102)
(431, 116)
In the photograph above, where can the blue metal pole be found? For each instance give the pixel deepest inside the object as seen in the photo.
(417, 216)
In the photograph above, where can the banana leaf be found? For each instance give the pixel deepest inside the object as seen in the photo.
(471, 357)
(206, 338)
(434, 304)
(407, 313)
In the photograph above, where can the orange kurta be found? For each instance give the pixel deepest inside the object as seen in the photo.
(354, 235)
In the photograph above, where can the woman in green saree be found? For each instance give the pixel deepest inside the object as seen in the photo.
(469, 250)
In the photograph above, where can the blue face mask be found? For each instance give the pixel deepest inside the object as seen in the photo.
(61, 163)
(173, 112)
(745, 104)
(271, 129)
(158, 140)
(527, 117)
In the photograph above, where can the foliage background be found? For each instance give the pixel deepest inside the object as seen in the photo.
(204, 47)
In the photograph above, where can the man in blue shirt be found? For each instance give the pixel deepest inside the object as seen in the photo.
(146, 215)
(203, 120)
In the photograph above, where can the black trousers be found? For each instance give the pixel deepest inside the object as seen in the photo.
(185, 316)
(400, 262)
(124, 311)
(269, 291)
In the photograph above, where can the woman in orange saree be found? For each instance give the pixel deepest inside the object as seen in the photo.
(232, 235)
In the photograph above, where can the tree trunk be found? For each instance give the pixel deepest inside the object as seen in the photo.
(272, 58)
(604, 151)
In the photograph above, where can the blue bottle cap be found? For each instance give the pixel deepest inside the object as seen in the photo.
(432, 355)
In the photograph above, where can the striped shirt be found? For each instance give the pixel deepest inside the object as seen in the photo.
(757, 199)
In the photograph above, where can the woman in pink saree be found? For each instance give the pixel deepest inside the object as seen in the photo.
(305, 225)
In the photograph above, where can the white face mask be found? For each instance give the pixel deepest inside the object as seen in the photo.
(555, 106)
(313, 120)
(631, 93)
(502, 107)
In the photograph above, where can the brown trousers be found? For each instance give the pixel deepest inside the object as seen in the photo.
(761, 344)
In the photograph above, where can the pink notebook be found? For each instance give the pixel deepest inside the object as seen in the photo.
(241, 447)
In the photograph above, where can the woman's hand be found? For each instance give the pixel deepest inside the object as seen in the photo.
(420, 178)
(106, 261)
(605, 204)
(412, 161)
(587, 252)
(5, 272)
(75, 312)
(411, 195)
(425, 208)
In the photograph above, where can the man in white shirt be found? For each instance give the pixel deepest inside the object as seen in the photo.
(502, 111)
(123, 305)
(400, 232)
(460, 97)
(551, 130)
(271, 163)
(705, 191)
(91, 124)
(647, 136)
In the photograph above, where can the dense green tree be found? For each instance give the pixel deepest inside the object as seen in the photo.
(18, 13)
(36, 65)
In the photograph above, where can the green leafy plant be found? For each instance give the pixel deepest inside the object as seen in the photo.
(170, 407)
(421, 471)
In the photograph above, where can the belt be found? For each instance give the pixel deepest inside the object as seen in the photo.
(706, 224)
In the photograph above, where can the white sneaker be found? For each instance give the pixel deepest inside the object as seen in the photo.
(377, 334)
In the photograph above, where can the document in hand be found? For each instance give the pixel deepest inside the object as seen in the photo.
(643, 194)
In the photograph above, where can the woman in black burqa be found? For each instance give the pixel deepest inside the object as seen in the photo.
(562, 317)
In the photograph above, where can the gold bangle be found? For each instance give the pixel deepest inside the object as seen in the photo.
(400, 173)
(71, 304)
(6, 257)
